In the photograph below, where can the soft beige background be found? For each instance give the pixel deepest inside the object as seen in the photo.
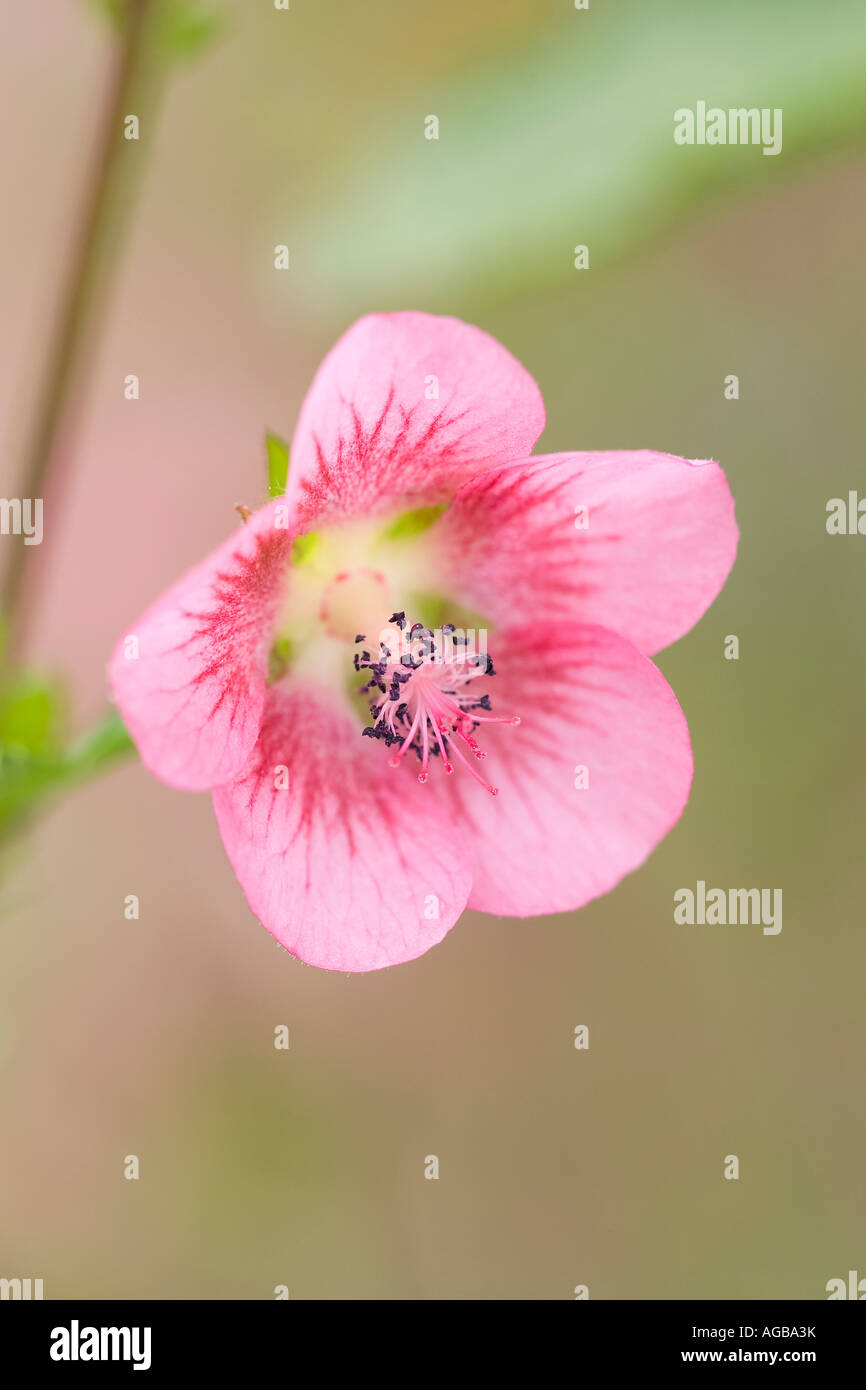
(155, 1038)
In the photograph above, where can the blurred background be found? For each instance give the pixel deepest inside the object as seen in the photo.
(155, 1037)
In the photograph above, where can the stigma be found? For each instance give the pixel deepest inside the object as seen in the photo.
(431, 705)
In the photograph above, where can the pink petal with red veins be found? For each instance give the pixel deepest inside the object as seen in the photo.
(353, 866)
(659, 542)
(587, 699)
(193, 695)
(373, 437)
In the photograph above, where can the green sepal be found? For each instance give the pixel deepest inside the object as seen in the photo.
(278, 463)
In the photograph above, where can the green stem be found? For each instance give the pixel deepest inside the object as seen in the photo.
(98, 748)
(86, 272)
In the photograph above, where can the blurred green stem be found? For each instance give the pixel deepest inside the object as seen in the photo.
(34, 766)
(86, 274)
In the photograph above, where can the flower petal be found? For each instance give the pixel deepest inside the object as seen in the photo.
(350, 865)
(587, 699)
(192, 690)
(659, 540)
(403, 409)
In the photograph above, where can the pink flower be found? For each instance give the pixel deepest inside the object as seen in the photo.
(412, 485)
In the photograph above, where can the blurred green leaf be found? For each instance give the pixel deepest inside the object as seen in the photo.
(31, 714)
(278, 463)
(34, 763)
(185, 29)
(179, 28)
(569, 141)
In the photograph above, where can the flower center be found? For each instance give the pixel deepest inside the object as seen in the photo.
(431, 704)
(351, 594)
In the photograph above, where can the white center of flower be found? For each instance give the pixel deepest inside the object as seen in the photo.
(355, 601)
